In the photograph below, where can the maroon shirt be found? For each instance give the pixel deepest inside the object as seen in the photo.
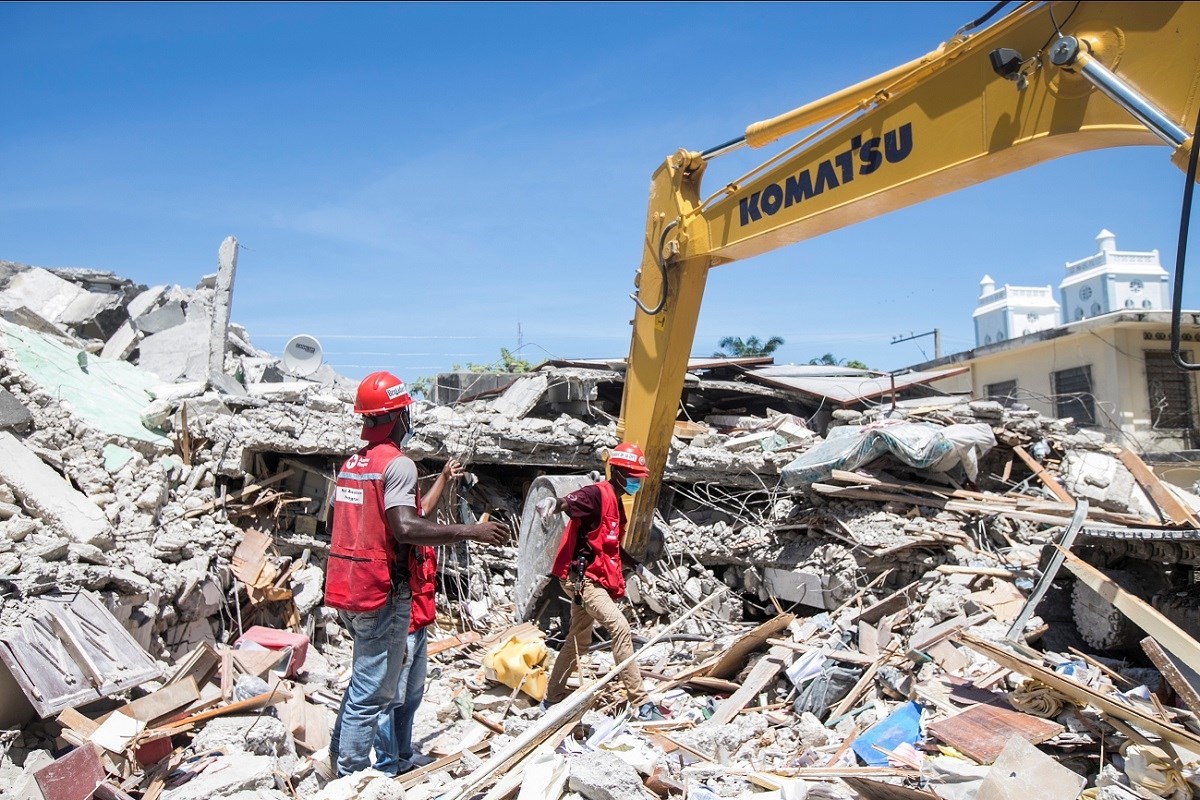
(584, 505)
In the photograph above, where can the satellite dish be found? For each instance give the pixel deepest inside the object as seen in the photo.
(302, 355)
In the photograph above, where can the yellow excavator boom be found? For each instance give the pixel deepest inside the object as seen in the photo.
(1044, 81)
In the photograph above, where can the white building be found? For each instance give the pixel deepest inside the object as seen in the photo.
(1012, 311)
(1112, 280)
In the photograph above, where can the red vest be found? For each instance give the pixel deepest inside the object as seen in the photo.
(422, 571)
(363, 555)
(605, 542)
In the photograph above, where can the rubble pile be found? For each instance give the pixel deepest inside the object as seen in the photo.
(866, 602)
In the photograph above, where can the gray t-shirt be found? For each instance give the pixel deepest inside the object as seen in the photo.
(400, 483)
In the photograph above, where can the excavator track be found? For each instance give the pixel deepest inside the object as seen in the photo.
(1161, 545)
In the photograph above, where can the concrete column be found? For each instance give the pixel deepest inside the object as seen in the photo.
(222, 300)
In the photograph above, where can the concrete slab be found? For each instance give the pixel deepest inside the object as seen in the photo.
(520, 398)
(13, 415)
(121, 343)
(165, 317)
(109, 395)
(50, 496)
(145, 301)
(44, 293)
(179, 353)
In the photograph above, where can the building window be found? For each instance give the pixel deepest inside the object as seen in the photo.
(1078, 313)
(1073, 395)
(1095, 309)
(1004, 392)
(987, 339)
(1146, 304)
(1129, 304)
(1170, 391)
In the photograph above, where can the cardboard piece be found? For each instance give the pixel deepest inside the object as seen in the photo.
(902, 725)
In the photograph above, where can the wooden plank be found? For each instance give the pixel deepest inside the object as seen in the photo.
(982, 731)
(1172, 733)
(163, 701)
(1043, 475)
(1168, 504)
(845, 656)
(1173, 674)
(276, 695)
(250, 556)
(453, 642)
(74, 721)
(878, 790)
(734, 658)
(1172, 638)
(573, 706)
(859, 688)
(212, 505)
(763, 672)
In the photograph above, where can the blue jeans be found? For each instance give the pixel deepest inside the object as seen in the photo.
(379, 649)
(393, 742)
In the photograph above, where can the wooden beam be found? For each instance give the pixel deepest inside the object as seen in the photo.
(1173, 675)
(1168, 504)
(763, 672)
(1043, 475)
(1077, 691)
(560, 714)
(1172, 638)
(240, 495)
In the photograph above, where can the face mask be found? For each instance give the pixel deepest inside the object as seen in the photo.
(632, 485)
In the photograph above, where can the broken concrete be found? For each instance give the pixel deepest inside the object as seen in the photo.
(52, 499)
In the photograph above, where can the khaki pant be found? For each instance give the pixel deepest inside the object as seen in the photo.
(597, 607)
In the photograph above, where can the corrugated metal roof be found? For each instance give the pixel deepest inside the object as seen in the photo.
(847, 389)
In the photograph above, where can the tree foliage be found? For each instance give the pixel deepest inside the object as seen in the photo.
(736, 347)
(830, 360)
(506, 363)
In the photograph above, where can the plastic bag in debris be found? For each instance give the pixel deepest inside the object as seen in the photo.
(918, 444)
(824, 691)
(520, 663)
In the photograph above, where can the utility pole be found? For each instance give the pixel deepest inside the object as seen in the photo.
(935, 333)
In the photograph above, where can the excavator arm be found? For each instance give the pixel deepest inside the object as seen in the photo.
(1044, 81)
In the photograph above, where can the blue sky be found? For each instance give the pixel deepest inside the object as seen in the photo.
(411, 183)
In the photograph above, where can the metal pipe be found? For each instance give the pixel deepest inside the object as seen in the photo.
(723, 148)
(1068, 53)
(763, 133)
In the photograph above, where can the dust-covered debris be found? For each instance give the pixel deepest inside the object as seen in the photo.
(830, 629)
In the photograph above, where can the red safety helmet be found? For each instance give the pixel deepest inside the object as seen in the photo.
(379, 393)
(628, 458)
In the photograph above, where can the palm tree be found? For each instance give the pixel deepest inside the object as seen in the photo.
(830, 360)
(734, 347)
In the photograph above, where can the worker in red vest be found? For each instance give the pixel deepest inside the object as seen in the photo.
(394, 753)
(588, 566)
(376, 522)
